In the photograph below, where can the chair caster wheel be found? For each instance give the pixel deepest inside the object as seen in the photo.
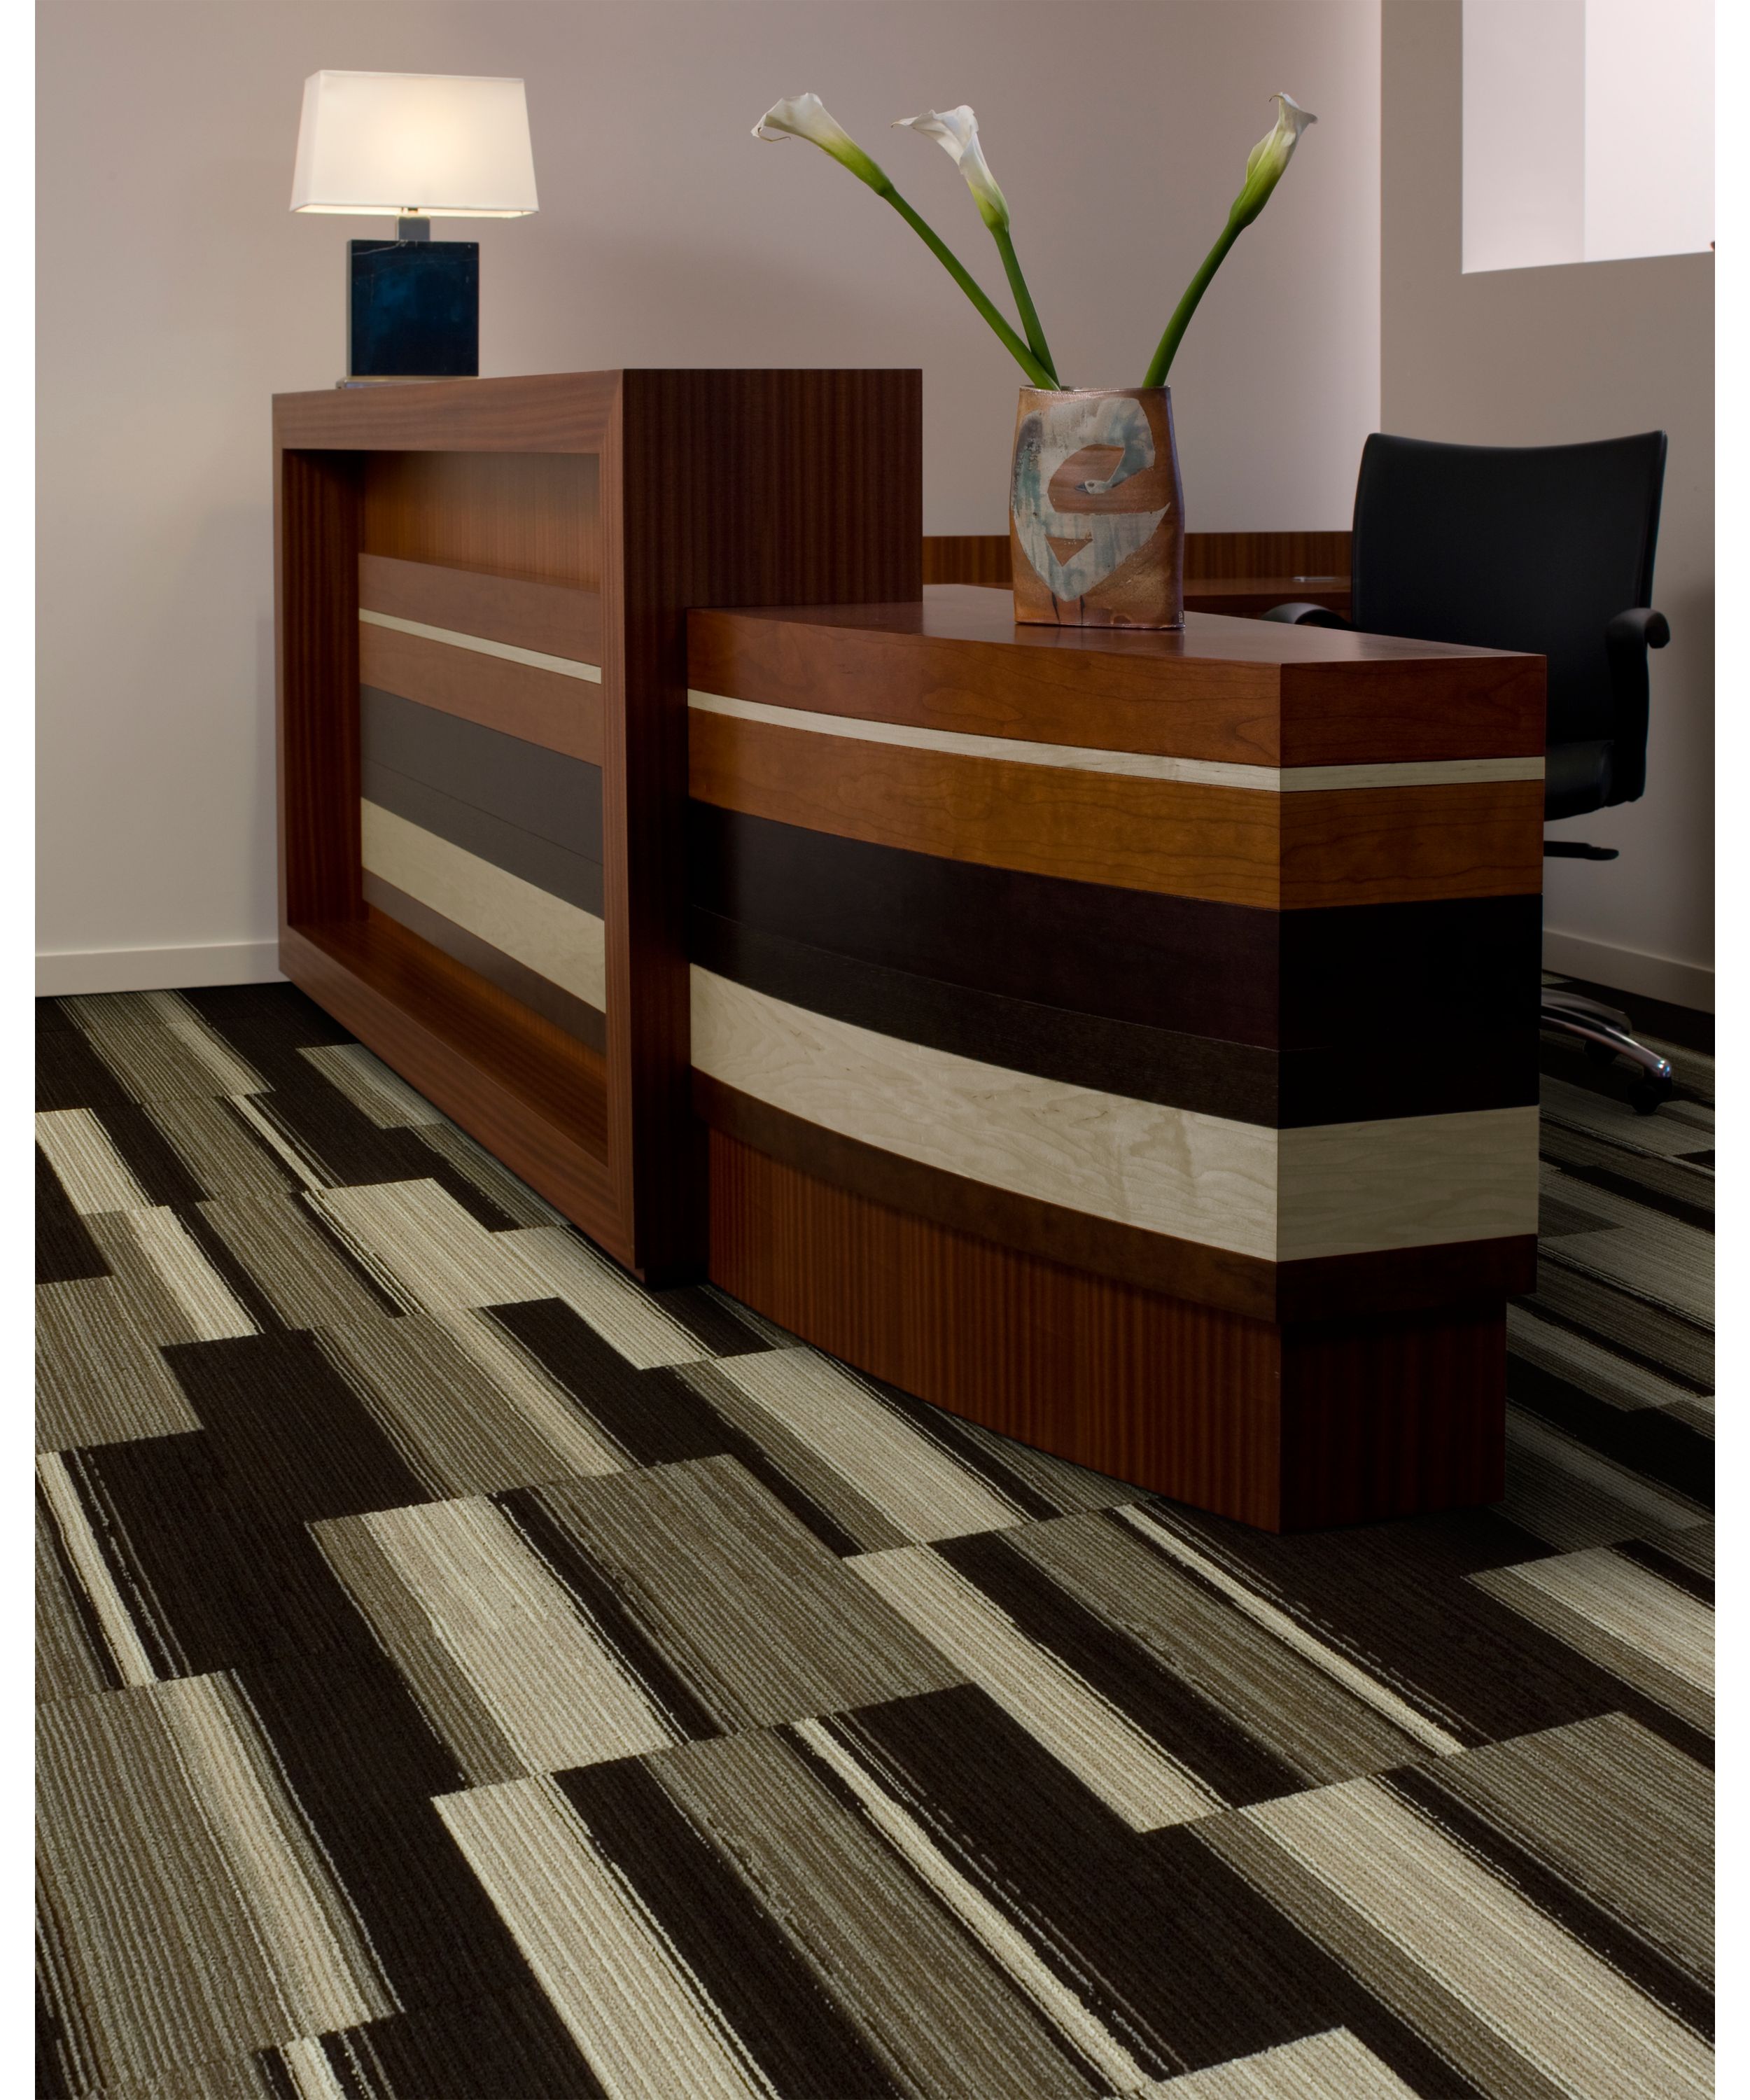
(1600, 1053)
(1645, 1095)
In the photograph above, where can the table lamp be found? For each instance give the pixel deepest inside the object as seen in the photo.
(413, 146)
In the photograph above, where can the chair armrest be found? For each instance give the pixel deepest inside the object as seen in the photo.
(1301, 612)
(1627, 639)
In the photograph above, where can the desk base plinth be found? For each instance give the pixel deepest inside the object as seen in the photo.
(1286, 1427)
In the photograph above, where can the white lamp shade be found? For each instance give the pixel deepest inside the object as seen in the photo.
(422, 144)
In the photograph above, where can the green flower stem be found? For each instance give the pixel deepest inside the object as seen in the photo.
(1024, 305)
(1156, 375)
(1038, 372)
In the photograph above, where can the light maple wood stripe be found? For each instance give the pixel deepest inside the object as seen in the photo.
(546, 934)
(1331, 1189)
(558, 708)
(1130, 765)
(1229, 845)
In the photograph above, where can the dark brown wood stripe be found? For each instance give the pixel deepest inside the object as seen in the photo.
(523, 853)
(1261, 694)
(552, 618)
(539, 994)
(536, 789)
(1396, 1280)
(1306, 979)
(542, 707)
(1242, 1082)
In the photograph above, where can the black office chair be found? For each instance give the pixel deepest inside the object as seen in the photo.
(1543, 548)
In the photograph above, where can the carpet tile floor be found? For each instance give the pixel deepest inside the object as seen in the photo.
(463, 1673)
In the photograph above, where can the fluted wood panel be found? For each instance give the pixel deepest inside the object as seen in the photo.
(1279, 1426)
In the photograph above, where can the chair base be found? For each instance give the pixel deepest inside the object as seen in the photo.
(1605, 1031)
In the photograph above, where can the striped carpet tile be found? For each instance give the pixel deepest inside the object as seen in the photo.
(463, 1673)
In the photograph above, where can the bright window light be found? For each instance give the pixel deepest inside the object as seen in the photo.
(1588, 131)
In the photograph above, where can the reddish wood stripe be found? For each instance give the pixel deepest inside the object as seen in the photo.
(1230, 844)
(1245, 690)
(548, 617)
(542, 707)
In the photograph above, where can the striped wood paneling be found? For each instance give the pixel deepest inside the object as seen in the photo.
(557, 619)
(1302, 1194)
(542, 705)
(1352, 846)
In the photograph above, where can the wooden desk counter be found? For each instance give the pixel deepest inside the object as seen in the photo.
(1128, 1042)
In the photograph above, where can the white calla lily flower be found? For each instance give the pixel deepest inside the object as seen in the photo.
(1264, 164)
(956, 132)
(807, 116)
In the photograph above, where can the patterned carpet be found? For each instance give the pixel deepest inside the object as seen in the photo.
(465, 1673)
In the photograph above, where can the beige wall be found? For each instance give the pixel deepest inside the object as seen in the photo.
(177, 293)
(1589, 349)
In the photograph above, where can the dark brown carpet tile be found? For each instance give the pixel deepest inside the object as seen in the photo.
(65, 1249)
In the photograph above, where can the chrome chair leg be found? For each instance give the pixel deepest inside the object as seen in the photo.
(1605, 1032)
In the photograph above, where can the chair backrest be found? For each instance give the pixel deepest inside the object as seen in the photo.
(1531, 547)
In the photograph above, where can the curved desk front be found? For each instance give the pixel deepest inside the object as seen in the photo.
(1128, 1042)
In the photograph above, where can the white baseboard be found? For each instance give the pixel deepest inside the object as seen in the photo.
(157, 969)
(1630, 970)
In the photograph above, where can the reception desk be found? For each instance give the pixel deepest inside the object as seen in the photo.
(1124, 1041)
(1128, 1042)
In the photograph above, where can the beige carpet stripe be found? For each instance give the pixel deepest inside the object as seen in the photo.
(308, 1932)
(87, 1164)
(311, 2073)
(924, 1491)
(1080, 1728)
(1576, 2020)
(307, 1171)
(558, 1693)
(211, 1139)
(551, 937)
(1316, 1726)
(1293, 1635)
(65, 1666)
(169, 1954)
(1136, 765)
(996, 1934)
(1335, 1188)
(176, 1293)
(1597, 1370)
(795, 1455)
(181, 1059)
(926, 1997)
(646, 2024)
(367, 1082)
(426, 1663)
(759, 1618)
(466, 1412)
(98, 1379)
(1327, 2067)
(293, 1265)
(1619, 1812)
(536, 659)
(1621, 1658)
(1563, 1491)
(79, 1542)
(1631, 1604)
(565, 1266)
(515, 1198)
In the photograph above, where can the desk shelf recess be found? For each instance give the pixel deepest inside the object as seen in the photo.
(481, 594)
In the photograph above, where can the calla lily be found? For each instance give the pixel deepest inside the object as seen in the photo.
(1265, 162)
(806, 116)
(1263, 170)
(956, 132)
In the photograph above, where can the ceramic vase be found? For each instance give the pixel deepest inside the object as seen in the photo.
(1097, 514)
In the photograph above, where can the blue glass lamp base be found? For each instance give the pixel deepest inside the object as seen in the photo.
(413, 309)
